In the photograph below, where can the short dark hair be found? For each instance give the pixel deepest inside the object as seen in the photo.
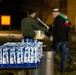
(31, 11)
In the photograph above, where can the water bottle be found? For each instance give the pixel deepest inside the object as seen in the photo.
(27, 53)
(31, 52)
(40, 45)
(5, 57)
(22, 40)
(18, 57)
(22, 55)
(1, 56)
(35, 52)
(12, 57)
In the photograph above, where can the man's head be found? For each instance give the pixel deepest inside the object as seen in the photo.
(55, 12)
(31, 12)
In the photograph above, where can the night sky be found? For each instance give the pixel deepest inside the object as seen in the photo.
(13, 8)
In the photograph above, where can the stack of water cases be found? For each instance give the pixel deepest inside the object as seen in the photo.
(21, 54)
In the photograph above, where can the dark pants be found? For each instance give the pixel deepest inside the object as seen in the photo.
(63, 53)
(69, 56)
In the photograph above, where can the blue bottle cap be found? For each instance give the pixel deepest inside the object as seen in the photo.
(36, 41)
(27, 40)
(31, 40)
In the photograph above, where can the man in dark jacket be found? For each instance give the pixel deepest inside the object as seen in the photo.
(60, 32)
(69, 25)
(29, 25)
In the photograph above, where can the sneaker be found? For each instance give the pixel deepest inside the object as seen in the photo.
(73, 62)
(63, 72)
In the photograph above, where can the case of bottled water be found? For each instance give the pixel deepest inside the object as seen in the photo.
(21, 54)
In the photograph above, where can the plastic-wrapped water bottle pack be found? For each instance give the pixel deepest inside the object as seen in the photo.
(21, 54)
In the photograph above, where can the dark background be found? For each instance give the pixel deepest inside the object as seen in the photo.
(13, 8)
(17, 9)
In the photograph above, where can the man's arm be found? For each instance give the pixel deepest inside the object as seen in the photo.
(37, 26)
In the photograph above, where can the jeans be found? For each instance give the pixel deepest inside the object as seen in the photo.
(69, 56)
(63, 53)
